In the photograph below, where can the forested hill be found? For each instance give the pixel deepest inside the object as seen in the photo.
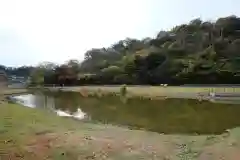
(197, 53)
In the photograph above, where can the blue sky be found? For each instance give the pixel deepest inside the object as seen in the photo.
(33, 31)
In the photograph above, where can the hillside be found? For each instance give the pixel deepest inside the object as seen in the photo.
(194, 53)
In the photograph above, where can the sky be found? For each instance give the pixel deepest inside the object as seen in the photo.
(35, 31)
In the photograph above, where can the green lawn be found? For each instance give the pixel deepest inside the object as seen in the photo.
(158, 91)
(27, 133)
(7, 91)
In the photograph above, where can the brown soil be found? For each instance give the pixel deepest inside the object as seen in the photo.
(99, 146)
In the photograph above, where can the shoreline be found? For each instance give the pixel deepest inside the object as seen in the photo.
(158, 92)
(7, 92)
(10, 91)
(31, 130)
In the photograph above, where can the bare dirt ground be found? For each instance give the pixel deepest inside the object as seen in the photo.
(75, 145)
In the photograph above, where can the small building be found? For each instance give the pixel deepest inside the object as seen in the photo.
(3, 79)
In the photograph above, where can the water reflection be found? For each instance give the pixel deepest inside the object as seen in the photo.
(171, 116)
(28, 100)
(78, 114)
(40, 100)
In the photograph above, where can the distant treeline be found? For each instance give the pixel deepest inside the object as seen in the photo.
(23, 71)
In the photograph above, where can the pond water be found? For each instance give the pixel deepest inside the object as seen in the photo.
(170, 116)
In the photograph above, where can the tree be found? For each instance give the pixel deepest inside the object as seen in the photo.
(196, 52)
(66, 75)
(74, 65)
(37, 76)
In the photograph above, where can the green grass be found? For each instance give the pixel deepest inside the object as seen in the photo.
(7, 91)
(35, 134)
(157, 91)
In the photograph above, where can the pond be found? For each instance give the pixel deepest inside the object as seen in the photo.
(170, 116)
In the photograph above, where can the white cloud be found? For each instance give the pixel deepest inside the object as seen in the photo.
(57, 30)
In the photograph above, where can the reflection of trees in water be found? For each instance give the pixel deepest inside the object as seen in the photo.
(167, 116)
(44, 101)
(50, 102)
(66, 101)
(39, 99)
(66, 104)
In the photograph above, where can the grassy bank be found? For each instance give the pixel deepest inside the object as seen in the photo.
(27, 133)
(157, 91)
(7, 91)
(10, 91)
